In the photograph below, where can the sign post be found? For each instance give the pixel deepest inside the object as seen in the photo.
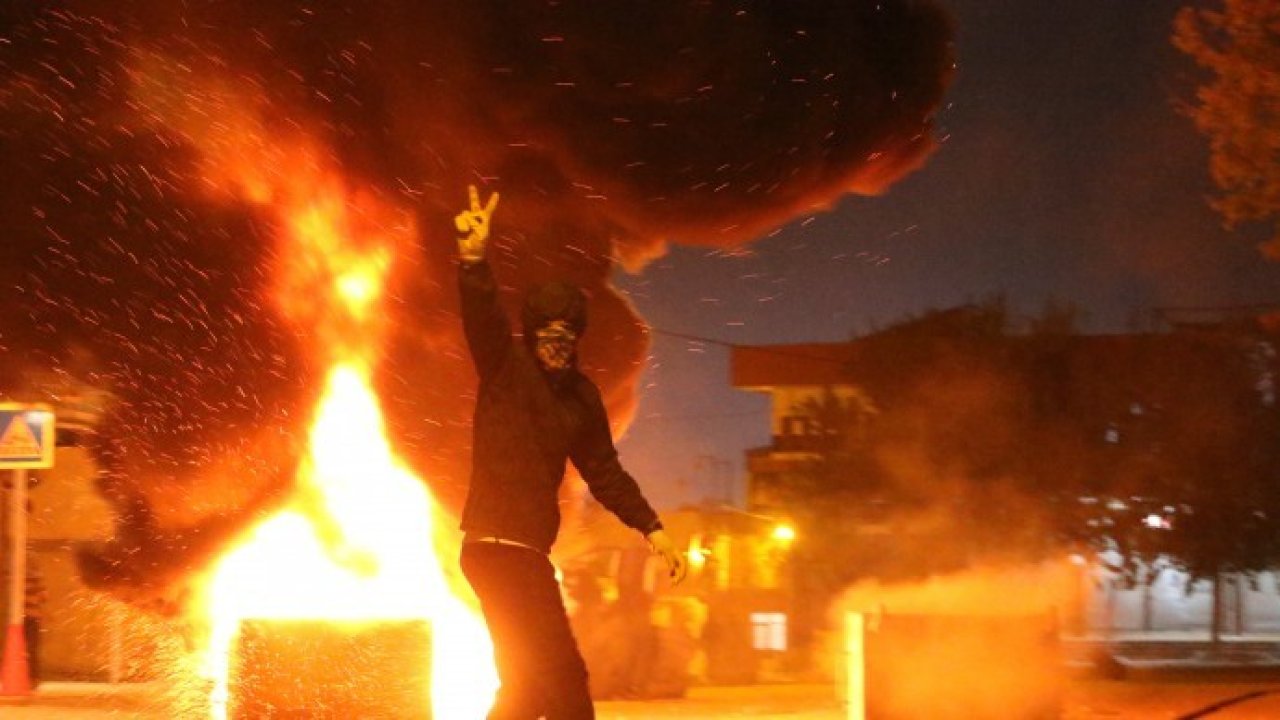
(26, 442)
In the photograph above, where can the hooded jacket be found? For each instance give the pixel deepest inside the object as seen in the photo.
(529, 422)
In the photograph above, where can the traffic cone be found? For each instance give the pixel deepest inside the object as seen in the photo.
(15, 676)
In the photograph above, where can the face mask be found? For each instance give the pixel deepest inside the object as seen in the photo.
(554, 345)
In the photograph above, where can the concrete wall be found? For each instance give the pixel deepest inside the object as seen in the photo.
(1175, 608)
(83, 633)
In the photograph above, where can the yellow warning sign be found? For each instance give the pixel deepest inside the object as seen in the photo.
(26, 436)
(18, 441)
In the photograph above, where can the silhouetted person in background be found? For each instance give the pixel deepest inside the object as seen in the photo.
(534, 412)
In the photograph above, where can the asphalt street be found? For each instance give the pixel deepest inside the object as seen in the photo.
(1088, 700)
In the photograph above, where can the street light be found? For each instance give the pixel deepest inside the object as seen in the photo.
(698, 558)
(697, 553)
(784, 533)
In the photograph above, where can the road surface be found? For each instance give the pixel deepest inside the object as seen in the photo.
(1088, 700)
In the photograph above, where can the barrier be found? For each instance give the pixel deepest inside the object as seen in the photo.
(953, 667)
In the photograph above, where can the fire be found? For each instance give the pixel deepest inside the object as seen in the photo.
(355, 541)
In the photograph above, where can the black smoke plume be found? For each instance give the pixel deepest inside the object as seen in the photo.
(611, 129)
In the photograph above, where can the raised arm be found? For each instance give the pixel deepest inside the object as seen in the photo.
(486, 326)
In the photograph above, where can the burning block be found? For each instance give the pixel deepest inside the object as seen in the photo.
(331, 670)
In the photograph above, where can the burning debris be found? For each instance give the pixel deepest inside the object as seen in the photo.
(333, 671)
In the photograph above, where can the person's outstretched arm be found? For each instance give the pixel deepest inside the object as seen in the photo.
(596, 459)
(486, 326)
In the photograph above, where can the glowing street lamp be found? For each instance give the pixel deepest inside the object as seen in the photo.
(698, 558)
(784, 533)
(697, 553)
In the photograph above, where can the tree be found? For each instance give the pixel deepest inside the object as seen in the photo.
(1189, 440)
(1226, 479)
(926, 444)
(955, 441)
(1238, 107)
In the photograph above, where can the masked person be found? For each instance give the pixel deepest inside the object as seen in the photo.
(534, 411)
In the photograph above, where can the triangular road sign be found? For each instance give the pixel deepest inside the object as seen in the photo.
(18, 441)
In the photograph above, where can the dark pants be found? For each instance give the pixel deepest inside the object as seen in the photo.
(541, 671)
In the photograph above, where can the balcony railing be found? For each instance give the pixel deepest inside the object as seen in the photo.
(805, 443)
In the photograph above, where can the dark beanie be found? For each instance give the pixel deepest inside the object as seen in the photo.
(554, 301)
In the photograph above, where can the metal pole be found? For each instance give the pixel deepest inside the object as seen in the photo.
(17, 547)
(15, 672)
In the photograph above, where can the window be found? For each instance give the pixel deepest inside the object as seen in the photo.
(796, 425)
(1112, 435)
(769, 631)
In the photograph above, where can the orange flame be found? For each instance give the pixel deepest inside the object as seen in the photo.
(356, 539)
(354, 543)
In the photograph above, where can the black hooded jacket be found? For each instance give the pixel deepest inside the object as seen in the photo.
(528, 422)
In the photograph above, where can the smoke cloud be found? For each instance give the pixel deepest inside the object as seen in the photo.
(611, 130)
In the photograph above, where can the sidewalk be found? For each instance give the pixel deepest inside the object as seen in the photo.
(86, 701)
(1087, 700)
(784, 702)
(100, 701)
(1159, 636)
(1171, 657)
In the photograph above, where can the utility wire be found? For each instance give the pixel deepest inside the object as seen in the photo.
(770, 350)
(704, 416)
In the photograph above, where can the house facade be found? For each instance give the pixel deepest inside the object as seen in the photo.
(1102, 428)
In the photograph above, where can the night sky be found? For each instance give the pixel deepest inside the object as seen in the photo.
(1065, 173)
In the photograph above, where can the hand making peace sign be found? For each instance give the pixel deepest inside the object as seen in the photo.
(475, 223)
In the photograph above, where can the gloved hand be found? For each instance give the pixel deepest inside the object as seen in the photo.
(475, 223)
(662, 544)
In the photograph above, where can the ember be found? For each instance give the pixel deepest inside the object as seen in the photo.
(218, 153)
(355, 544)
(331, 671)
(356, 541)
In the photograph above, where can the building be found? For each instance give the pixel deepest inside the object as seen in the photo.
(728, 623)
(84, 635)
(950, 438)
